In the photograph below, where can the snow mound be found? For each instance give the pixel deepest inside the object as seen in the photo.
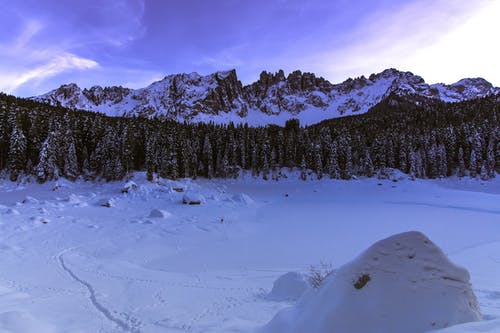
(76, 201)
(392, 174)
(39, 219)
(129, 186)
(158, 213)
(288, 287)
(29, 200)
(62, 183)
(107, 202)
(243, 198)
(193, 199)
(22, 322)
(404, 283)
(12, 211)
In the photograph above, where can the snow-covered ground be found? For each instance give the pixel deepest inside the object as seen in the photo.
(148, 263)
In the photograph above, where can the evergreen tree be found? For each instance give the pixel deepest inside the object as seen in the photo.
(461, 163)
(47, 168)
(17, 153)
(70, 162)
(473, 164)
(303, 169)
(368, 165)
(333, 163)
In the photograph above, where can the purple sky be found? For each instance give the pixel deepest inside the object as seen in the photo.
(44, 43)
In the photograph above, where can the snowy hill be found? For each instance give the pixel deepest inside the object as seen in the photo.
(274, 98)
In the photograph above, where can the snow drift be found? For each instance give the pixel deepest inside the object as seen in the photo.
(404, 283)
(159, 213)
(288, 287)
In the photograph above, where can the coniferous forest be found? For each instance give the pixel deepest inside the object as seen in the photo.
(424, 138)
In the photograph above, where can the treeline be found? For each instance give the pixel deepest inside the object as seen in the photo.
(426, 139)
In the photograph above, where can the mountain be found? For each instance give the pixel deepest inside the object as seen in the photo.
(274, 98)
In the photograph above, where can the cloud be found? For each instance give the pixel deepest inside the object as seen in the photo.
(411, 37)
(22, 62)
(10, 82)
(469, 50)
(50, 38)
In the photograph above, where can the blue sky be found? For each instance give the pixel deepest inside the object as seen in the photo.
(45, 43)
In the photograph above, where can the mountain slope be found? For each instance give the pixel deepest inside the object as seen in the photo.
(274, 98)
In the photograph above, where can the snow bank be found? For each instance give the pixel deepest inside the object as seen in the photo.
(107, 202)
(29, 200)
(129, 186)
(392, 174)
(158, 213)
(288, 287)
(12, 211)
(193, 199)
(243, 198)
(76, 201)
(62, 183)
(403, 283)
(39, 219)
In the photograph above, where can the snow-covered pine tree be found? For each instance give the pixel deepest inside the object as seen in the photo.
(461, 163)
(333, 163)
(442, 161)
(490, 157)
(303, 169)
(318, 161)
(368, 164)
(47, 168)
(473, 163)
(70, 160)
(17, 153)
(208, 158)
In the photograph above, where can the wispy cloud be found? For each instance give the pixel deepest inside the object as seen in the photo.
(11, 81)
(48, 42)
(22, 62)
(415, 37)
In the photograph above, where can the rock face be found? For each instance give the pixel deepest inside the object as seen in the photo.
(273, 98)
(403, 283)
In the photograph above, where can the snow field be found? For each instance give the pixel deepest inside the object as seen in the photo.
(209, 267)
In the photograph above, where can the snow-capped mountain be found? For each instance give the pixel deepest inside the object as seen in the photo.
(274, 98)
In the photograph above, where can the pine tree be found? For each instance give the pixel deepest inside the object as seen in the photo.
(70, 161)
(47, 168)
(17, 153)
(461, 163)
(473, 164)
(208, 158)
(318, 162)
(368, 165)
(484, 172)
(442, 161)
(303, 169)
(333, 163)
(490, 158)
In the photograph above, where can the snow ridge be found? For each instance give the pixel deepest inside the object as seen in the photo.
(274, 98)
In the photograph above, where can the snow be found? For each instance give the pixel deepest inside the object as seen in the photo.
(243, 198)
(208, 268)
(159, 213)
(289, 287)
(403, 283)
(129, 186)
(193, 198)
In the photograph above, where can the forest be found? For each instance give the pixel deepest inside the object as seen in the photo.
(421, 137)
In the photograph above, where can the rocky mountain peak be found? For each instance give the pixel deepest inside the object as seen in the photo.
(273, 98)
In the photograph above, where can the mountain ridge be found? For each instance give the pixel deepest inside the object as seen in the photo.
(220, 97)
